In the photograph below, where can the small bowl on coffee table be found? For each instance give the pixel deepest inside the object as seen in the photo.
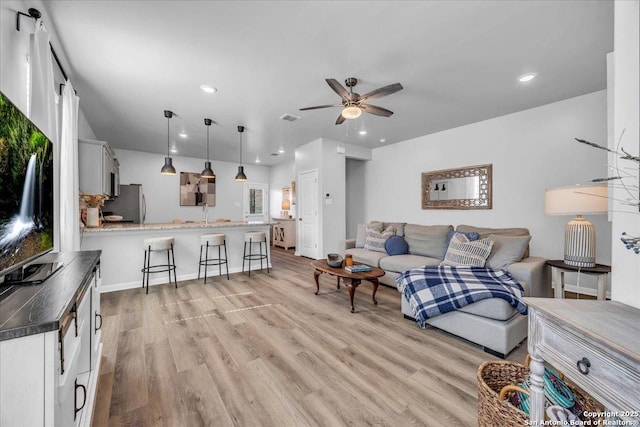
(334, 260)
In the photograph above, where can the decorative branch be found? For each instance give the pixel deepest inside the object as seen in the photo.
(630, 242)
(593, 144)
(628, 156)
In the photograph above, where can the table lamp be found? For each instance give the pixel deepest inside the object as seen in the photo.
(579, 235)
(286, 205)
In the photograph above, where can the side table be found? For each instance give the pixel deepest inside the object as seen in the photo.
(558, 268)
(596, 345)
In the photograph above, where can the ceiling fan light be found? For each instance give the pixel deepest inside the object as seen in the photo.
(207, 172)
(351, 112)
(168, 168)
(241, 176)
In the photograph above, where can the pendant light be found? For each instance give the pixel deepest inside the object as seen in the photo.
(207, 172)
(168, 168)
(241, 176)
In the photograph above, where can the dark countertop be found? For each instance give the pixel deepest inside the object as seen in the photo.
(35, 309)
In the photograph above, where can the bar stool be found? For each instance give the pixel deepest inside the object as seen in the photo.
(251, 238)
(156, 244)
(210, 240)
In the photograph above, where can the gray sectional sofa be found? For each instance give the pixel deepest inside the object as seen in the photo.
(491, 323)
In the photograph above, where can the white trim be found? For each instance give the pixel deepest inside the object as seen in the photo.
(162, 279)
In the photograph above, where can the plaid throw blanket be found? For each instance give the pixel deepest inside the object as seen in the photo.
(435, 290)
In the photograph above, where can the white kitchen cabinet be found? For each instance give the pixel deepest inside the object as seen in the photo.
(99, 170)
(284, 232)
(50, 378)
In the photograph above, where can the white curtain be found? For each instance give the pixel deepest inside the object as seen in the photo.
(43, 97)
(69, 204)
(43, 110)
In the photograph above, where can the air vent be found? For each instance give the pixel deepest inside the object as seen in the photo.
(289, 117)
(274, 154)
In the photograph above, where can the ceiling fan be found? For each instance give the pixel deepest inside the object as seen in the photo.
(353, 103)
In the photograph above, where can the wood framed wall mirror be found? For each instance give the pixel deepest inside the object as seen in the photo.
(462, 188)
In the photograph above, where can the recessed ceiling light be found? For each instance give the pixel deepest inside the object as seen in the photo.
(173, 150)
(182, 135)
(362, 132)
(257, 159)
(527, 77)
(281, 150)
(383, 140)
(208, 89)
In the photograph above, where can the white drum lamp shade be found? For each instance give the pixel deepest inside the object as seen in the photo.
(579, 236)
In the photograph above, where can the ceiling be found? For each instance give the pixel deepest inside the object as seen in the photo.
(457, 60)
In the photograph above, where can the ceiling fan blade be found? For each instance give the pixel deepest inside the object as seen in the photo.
(320, 106)
(383, 91)
(338, 88)
(340, 119)
(378, 111)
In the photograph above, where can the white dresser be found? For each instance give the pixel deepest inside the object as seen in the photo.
(50, 346)
(596, 344)
(284, 232)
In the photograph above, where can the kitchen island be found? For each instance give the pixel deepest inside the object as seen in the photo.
(123, 252)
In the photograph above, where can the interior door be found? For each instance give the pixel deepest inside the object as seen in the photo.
(256, 202)
(308, 214)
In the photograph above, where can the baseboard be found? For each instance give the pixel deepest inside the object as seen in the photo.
(161, 280)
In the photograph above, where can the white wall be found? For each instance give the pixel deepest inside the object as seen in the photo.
(626, 264)
(355, 203)
(333, 194)
(14, 51)
(281, 176)
(530, 150)
(163, 192)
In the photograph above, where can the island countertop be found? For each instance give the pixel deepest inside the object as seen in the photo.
(121, 226)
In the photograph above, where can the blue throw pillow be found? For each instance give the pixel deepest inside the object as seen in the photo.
(396, 246)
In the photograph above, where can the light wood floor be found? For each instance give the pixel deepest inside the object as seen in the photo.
(265, 351)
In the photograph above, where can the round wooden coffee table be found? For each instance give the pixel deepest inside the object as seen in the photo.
(351, 280)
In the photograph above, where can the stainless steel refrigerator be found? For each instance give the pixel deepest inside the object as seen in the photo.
(130, 204)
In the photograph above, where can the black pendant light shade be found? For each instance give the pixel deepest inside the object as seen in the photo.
(168, 168)
(240, 176)
(207, 172)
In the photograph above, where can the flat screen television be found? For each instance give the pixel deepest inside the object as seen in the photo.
(26, 190)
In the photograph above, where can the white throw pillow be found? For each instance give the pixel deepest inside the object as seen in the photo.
(375, 239)
(461, 251)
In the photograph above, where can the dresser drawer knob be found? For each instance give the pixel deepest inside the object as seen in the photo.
(584, 365)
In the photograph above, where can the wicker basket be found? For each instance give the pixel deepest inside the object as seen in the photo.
(493, 376)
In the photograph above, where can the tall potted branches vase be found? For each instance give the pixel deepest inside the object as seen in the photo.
(625, 177)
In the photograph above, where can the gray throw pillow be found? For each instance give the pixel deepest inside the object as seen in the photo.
(399, 226)
(375, 239)
(361, 233)
(506, 250)
(461, 251)
(486, 231)
(427, 240)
